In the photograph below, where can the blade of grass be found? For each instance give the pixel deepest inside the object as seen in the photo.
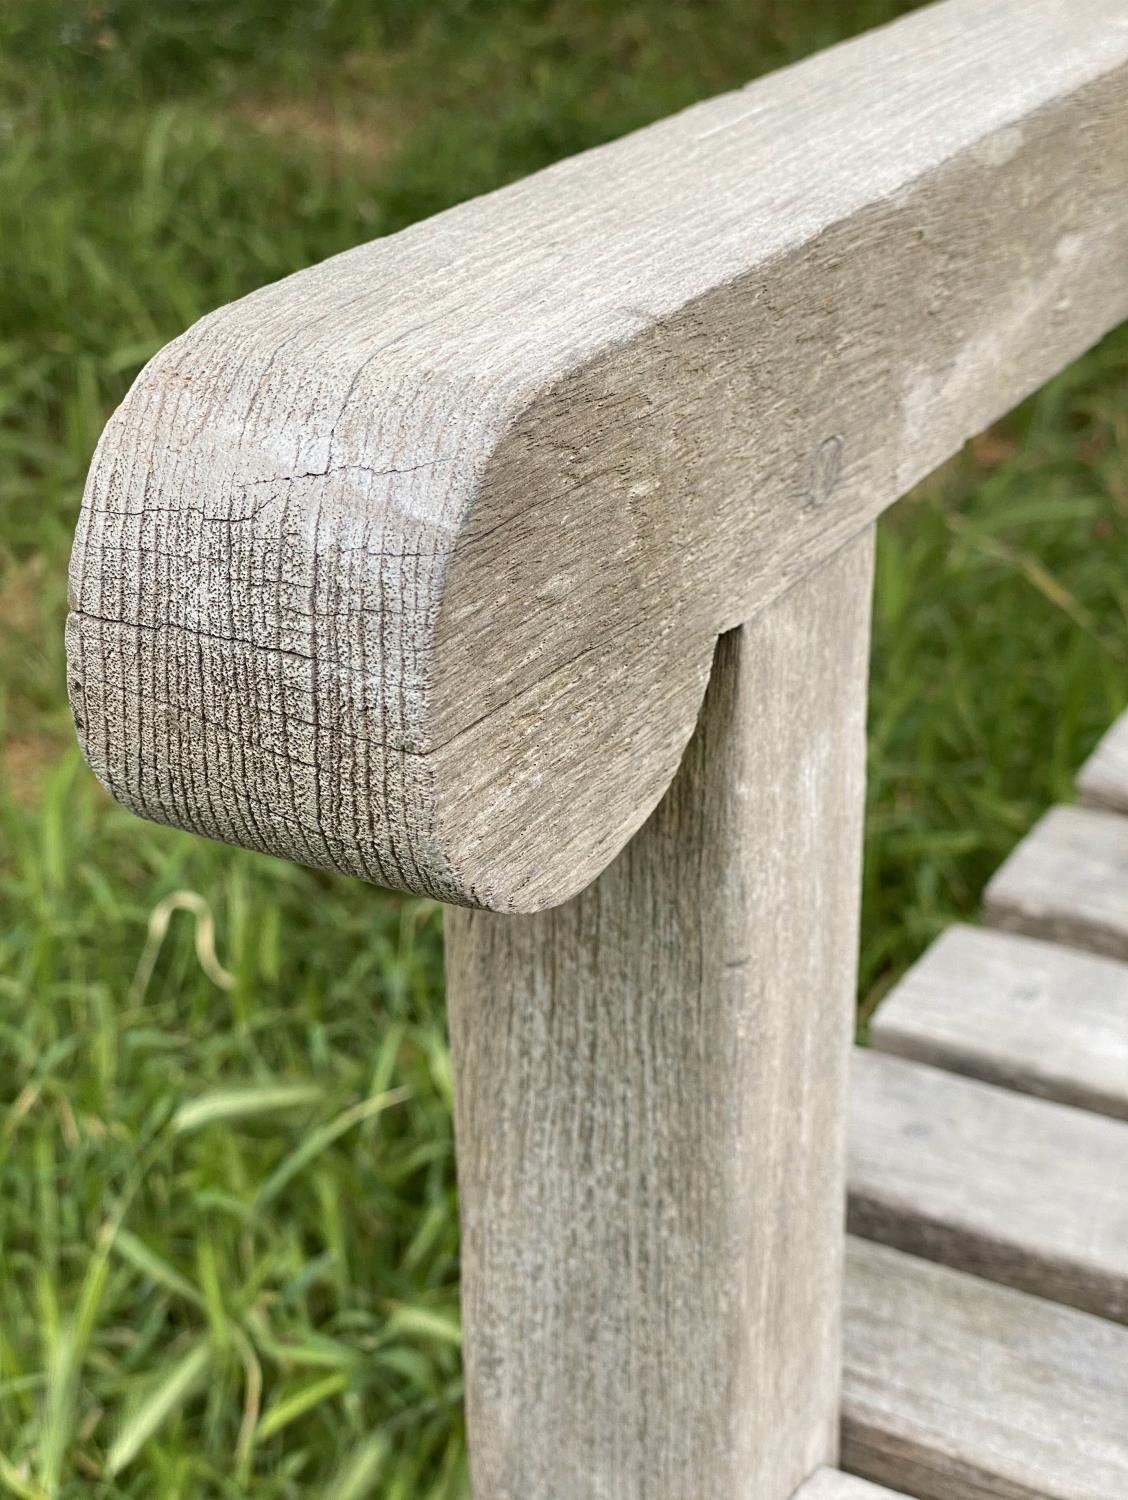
(320, 1139)
(64, 1365)
(426, 1322)
(158, 1406)
(16, 1484)
(146, 1261)
(359, 1472)
(291, 1407)
(226, 1105)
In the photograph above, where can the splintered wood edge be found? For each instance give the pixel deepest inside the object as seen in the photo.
(411, 565)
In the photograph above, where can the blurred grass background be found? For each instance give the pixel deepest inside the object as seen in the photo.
(228, 1246)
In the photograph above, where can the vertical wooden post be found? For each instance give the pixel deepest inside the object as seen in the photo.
(650, 1102)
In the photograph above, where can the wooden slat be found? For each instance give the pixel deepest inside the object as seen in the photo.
(831, 1484)
(1067, 881)
(1103, 779)
(956, 1389)
(1015, 1011)
(1028, 1193)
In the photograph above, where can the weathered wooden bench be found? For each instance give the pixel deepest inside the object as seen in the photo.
(523, 560)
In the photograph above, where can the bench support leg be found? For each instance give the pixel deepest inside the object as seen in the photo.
(650, 1103)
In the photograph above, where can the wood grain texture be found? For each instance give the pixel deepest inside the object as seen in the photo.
(1024, 1192)
(1103, 780)
(830, 1484)
(412, 564)
(650, 1106)
(956, 1389)
(1067, 881)
(1018, 1012)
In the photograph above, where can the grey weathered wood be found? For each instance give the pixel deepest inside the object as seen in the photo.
(1068, 881)
(650, 1105)
(830, 1484)
(1103, 780)
(1015, 1011)
(1020, 1190)
(956, 1389)
(412, 564)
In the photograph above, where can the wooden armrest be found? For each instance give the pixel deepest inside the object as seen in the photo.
(412, 564)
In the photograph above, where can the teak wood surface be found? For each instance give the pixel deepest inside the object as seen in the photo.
(412, 564)
(650, 1105)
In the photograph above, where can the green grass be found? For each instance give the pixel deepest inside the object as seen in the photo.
(228, 1248)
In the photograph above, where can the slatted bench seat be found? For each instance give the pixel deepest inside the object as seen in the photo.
(988, 1135)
